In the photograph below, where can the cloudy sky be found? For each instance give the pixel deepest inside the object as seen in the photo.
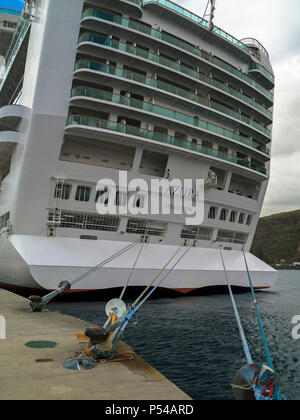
(276, 24)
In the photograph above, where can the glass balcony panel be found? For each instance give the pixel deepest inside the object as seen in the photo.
(127, 129)
(180, 92)
(184, 45)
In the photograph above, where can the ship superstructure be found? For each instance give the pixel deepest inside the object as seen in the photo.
(91, 88)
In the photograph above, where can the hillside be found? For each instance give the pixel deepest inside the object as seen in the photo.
(278, 238)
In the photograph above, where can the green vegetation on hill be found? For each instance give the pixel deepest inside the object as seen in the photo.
(277, 238)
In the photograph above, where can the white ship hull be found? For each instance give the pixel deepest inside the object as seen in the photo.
(116, 89)
(31, 262)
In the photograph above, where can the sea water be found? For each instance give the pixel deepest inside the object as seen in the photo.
(194, 341)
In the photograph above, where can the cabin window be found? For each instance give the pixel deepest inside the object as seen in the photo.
(62, 191)
(223, 215)
(83, 194)
(232, 217)
(212, 213)
(101, 197)
(242, 218)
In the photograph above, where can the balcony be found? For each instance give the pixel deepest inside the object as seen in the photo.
(172, 65)
(181, 93)
(166, 113)
(14, 62)
(174, 41)
(8, 142)
(128, 7)
(84, 122)
(14, 12)
(8, 24)
(137, 2)
(262, 75)
(11, 116)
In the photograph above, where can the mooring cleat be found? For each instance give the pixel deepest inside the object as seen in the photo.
(36, 303)
(97, 335)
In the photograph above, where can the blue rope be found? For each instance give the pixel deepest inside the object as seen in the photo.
(132, 313)
(277, 394)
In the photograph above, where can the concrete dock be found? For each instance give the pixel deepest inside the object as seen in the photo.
(37, 374)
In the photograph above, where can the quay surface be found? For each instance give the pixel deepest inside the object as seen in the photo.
(37, 374)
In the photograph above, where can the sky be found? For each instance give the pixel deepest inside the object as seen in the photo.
(276, 24)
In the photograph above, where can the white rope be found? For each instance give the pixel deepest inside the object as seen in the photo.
(237, 316)
(133, 268)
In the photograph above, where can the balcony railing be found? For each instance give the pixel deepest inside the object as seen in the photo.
(8, 24)
(107, 42)
(13, 50)
(197, 19)
(266, 73)
(10, 11)
(163, 112)
(242, 97)
(128, 23)
(151, 135)
(170, 89)
(137, 2)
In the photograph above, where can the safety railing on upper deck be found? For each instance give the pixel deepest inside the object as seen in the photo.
(13, 50)
(10, 11)
(168, 113)
(151, 135)
(138, 26)
(153, 82)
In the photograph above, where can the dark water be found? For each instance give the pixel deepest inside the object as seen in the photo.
(195, 343)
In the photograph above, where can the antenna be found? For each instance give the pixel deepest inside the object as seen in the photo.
(211, 15)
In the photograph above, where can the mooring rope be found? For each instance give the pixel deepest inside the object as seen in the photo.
(107, 326)
(131, 273)
(133, 311)
(100, 265)
(237, 316)
(38, 303)
(277, 394)
(155, 278)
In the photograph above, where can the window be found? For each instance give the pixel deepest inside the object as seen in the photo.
(231, 237)
(212, 213)
(101, 197)
(232, 217)
(249, 220)
(242, 217)
(146, 227)
(88, 221)
(225, 236)
(62, 191)
(240, 238)
(4, 219)
(197, 232)
(223, 215)
(83, 194)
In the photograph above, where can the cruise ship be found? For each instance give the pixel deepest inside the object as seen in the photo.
(90, 88)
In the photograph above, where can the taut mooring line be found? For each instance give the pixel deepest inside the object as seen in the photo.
(37, 303)
(237, 316)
